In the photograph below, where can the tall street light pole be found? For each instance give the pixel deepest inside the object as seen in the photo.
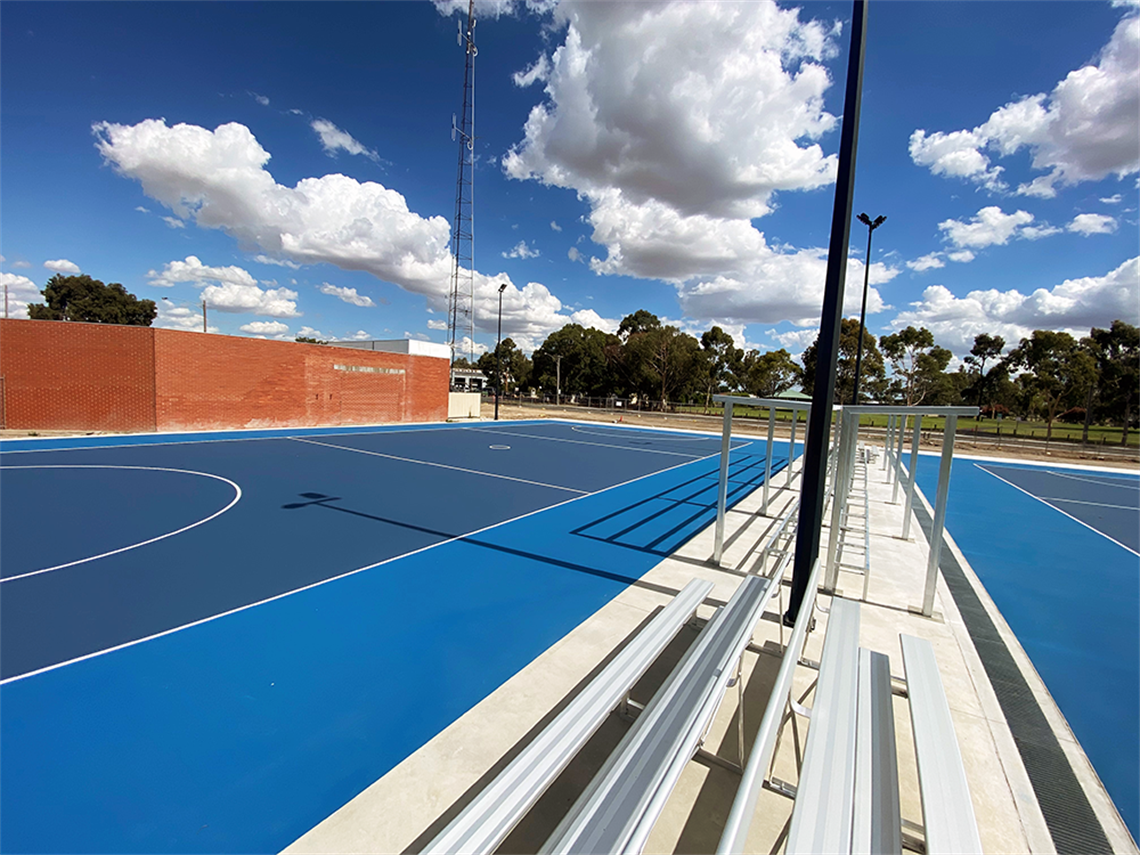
(558, 381)
(499, 352)
(871, 226)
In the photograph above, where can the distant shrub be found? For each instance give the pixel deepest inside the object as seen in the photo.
(1075, 416)
(992, 411)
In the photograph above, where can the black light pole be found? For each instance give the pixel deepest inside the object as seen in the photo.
(498, 352)
(871, 226)
(819, 424)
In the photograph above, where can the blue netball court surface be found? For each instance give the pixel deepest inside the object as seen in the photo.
(209, 643)
(1058, 550)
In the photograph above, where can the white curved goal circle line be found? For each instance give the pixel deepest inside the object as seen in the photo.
(234, 501)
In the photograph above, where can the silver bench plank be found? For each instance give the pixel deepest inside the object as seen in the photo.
(877, 825)
(489, 818)
(822, 813)
(947, 811)
(617, 810)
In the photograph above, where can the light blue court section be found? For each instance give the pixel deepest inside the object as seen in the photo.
(1072, 598)
(241, 733)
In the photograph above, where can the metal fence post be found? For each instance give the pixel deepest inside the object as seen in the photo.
(907, 510)
(722, 485)
(943, 491)
(768, 457)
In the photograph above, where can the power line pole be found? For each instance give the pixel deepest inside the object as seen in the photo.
(461, 298)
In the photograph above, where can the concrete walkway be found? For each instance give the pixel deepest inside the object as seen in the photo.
(407, 807)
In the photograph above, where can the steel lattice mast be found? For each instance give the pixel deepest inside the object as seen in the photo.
(461, 301)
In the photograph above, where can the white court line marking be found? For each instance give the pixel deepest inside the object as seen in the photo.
(587, 442)
(1058, 510)
(1093, 504)
(1100, 482)
(440, 465)
(375, 429)
(627, 431)
(344, 575)
(237, 496)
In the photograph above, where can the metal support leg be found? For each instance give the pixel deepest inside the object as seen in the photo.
(939, 515)
(898, 461)
(722, 485)
(907, 509)
(768, 458)
(838, 506)
(791, 448)
(887, 442)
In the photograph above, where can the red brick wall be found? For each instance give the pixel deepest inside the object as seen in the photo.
(56, 372)
(74, 376)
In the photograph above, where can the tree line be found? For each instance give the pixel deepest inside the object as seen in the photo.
(1047, 375)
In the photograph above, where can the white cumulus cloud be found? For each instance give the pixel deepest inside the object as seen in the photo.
(19, 291)
(991, 226)
(348, 295)
(193, 271)
(236, 290)
(1086, 129)
(62, 265)
(708, 108)
(932, 261)
(538, 72)
(1092, 224)
(218, 179)
(333, 139)
(521, 250)
(265, 327)
(1074, 306)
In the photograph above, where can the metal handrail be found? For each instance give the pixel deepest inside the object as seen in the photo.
(744, 805)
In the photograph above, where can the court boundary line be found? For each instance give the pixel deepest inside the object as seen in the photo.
(353, 430)
(587, 442)
(136, 641)
(1059, 510)
(441, 465)
(234, 501)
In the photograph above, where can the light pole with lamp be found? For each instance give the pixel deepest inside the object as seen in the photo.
(499, 353)
(871, 226)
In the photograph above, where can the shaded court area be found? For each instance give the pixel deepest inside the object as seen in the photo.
(212, 642)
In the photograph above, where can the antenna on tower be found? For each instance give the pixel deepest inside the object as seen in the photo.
(461, 299)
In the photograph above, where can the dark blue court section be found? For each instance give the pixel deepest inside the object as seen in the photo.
(240, 733)
(1110, 505)
(1070, 595)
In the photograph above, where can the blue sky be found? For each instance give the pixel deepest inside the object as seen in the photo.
(292, 163)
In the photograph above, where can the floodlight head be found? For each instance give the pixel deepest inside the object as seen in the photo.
(864, 219)
(502, 287)
(878, 221)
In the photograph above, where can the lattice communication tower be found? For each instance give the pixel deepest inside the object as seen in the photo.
(461, 301)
